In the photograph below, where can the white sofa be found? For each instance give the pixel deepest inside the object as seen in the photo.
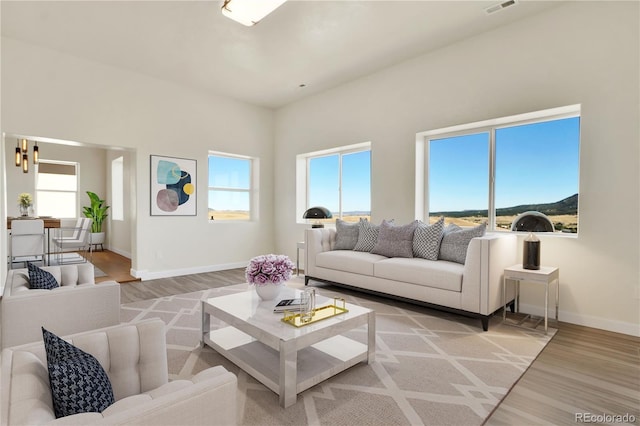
(79, 304)
(135, 359)
(473, 289)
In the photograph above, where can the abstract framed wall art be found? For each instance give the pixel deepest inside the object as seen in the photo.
(173, 186)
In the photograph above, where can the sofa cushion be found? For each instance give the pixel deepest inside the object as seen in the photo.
(367, 235)
(427, 238)
(429, 273)
(456, 240)
(78, 382)
(346, 235)
(41, 279)
(30, 401)
(395, 241)
(348, 261)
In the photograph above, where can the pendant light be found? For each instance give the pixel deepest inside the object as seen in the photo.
(22, 154)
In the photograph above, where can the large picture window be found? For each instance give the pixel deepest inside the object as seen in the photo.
(57, 189)
(338, 179)
(230, 187)
(495, 170)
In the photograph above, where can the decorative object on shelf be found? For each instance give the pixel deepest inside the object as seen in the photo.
(317, 213)
(308, 305)
(173, 186)
(268, 273)
(319, 314)
(97, 212)
(531, 252)
(249, 12)
(269, 292)
(22, 157)
(25, 201)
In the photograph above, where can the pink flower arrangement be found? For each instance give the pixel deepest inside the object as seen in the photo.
(269, 269)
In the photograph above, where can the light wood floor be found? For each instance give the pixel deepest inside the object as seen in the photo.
(116, 267)
(582, 369)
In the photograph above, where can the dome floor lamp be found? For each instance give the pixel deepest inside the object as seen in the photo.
(317, 213)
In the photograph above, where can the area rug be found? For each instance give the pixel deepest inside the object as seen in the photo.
(431, 368)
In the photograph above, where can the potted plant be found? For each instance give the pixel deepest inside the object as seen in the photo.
(97, 212)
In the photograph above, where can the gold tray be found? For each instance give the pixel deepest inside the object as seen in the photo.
(319, 314)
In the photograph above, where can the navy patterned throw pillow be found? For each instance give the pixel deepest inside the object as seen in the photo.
(78, 382)
(41, 279)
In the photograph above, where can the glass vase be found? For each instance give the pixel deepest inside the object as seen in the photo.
(24, 210)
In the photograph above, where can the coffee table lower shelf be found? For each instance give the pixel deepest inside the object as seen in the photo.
(314, 363)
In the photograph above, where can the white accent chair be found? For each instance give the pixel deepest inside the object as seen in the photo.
(77, 238)
(135, 359)
(27, 242)
(79, 304)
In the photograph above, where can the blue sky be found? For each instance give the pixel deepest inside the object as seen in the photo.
(535, 163)
(228, 172)
(324, 181)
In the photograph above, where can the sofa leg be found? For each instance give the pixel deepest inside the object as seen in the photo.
(485, 323)
(512, 306)
(306, 280)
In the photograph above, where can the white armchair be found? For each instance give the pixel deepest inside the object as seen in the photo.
(135, 359)
(79, 304)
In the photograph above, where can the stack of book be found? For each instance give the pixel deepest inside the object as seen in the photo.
(288, 305)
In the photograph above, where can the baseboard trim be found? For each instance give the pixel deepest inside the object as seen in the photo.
(168, 273)
(120, 252)
(585, 320)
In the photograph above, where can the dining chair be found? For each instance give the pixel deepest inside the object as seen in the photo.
(77, 241)
(27, 242)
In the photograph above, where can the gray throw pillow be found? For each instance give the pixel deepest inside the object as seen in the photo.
(395, 241)
(367, 235)
(346, 235)
(426, 239)
(456, 240)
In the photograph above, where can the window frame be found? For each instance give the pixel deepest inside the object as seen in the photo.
(303, 181)
(252, 190)
(490, 126)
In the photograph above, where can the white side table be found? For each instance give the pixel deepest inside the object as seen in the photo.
(299, 246)
(545, 275)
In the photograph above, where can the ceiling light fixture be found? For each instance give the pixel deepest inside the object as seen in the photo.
(249, 12)
(22, 158)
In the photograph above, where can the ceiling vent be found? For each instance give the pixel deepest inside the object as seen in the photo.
(500, 6)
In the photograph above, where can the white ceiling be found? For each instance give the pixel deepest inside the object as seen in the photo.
(321, 44)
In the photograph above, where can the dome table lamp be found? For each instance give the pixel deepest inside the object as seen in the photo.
(531, 222)
(317, 213)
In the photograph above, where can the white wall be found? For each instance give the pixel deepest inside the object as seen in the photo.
(584, 52)
(51, 94)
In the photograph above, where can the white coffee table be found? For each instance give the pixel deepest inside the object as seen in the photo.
(285, 358)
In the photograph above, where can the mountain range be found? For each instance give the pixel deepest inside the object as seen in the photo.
(567, 206)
